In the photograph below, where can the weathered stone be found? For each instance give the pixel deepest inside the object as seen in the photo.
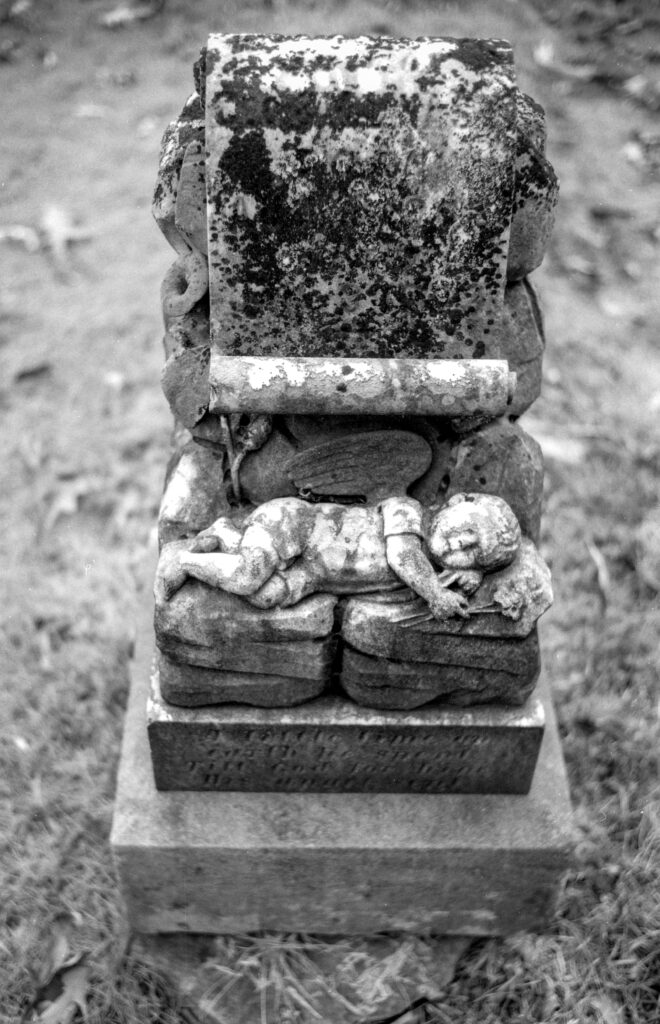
(191, 686)
(476, 671)
(335, 863)
(360, 193)
(194, 493)
(522, 343)
(647, 549)
(507, 605)
(190, 206)
(359, 198)
(310, 660)
(185, 376)
(345, 386)
(370, 465)
(536, 192)
(330, 745)
(186, 130)
(212, 629)
(502, 459)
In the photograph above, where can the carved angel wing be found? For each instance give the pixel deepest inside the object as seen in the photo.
(375, 465)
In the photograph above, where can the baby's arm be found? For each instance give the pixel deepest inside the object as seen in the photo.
(402, 521)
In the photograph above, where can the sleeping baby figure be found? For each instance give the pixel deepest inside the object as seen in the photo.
(288, 549)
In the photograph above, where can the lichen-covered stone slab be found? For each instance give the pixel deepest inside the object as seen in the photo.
(331, 745)
(359, 194)
(474, 670)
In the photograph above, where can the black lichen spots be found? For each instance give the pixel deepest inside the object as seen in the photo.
(173, 146)
(246, 162)
(482, 55)
(338, 255)
(199, 75)
(535, 179)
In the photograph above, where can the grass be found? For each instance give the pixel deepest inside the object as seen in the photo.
(86, 447)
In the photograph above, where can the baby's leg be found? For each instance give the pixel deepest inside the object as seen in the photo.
(242, 572)
(301, 581)
(222, 535)
(287, 587)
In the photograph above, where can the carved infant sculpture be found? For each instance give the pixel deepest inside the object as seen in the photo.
(288, 549)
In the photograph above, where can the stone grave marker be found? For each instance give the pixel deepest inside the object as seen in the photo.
(343, 729)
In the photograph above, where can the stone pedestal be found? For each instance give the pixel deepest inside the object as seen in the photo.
(335, 863)
(332, 745)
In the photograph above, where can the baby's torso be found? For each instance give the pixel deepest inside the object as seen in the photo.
(346, 547)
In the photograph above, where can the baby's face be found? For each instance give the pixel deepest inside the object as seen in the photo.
(455, 538)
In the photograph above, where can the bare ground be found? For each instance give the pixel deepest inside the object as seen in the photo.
(87, 437)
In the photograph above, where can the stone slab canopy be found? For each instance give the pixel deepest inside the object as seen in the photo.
(350, 338)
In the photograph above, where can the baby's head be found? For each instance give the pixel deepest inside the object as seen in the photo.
(473, 531)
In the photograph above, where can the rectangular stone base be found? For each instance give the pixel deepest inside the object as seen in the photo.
(335, 863)
(331, 744)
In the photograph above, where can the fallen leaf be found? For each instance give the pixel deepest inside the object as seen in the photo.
(59, 232)
(545, 56)
(91, 110)
(569, 450)
(644, 91)
(42, 369)
(74, 984)
(128, 14)
(23, 234)
(647, 549)
(606, 211)
(66, 500)
(602, 571)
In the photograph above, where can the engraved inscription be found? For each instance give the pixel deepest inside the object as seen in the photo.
(299, 758)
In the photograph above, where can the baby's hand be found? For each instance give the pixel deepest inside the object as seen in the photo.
(172, 575)
(469, 580)
(205, 542)
(447, 603)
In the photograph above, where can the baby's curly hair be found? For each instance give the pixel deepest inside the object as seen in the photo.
(496, 525)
